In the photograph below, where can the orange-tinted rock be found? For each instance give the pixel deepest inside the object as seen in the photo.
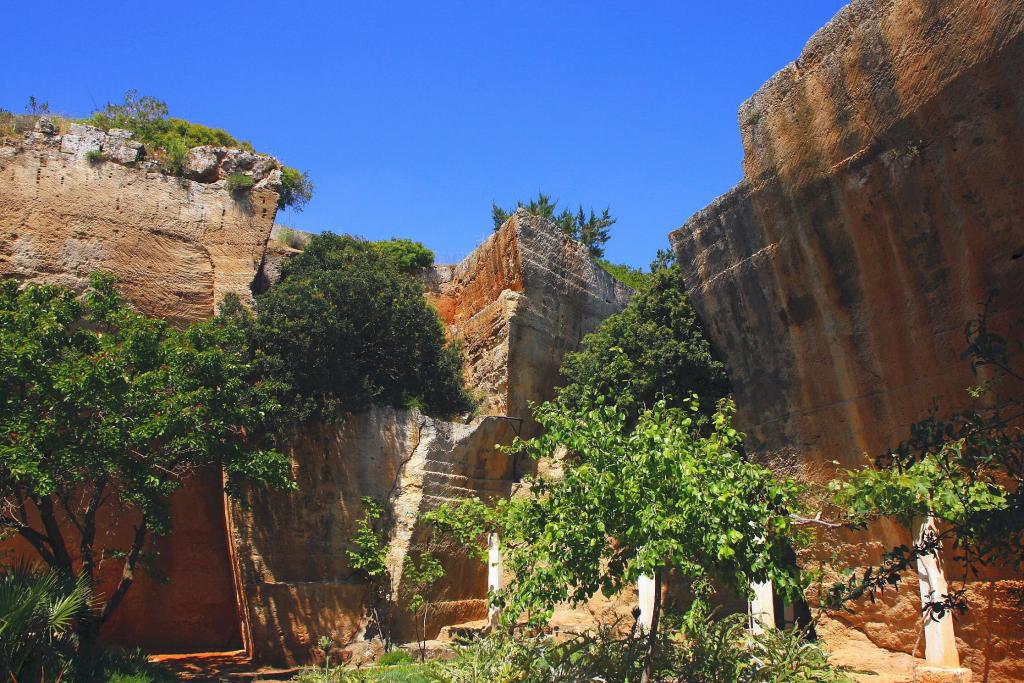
(883, 196)
(519, 303)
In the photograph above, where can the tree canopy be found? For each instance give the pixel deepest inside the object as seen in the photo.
(655, 349)
(670, 492)
(347, 327)
(101, 405)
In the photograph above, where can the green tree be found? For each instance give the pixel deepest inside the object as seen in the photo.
(592, 229)
(670, 492)
(345, 329)
(655, 349)
(406, 255)
(419, 574)
(102, 406)
(964, 469)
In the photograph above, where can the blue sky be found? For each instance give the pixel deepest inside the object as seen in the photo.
(411, 117)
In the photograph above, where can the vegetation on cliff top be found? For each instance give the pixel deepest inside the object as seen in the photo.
(165, 137)
(348, 327)
(591, 229)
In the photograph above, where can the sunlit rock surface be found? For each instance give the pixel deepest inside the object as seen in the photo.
(883, 197)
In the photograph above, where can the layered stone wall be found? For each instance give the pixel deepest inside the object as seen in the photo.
(87, 200)
(883, 197)
(518, 304)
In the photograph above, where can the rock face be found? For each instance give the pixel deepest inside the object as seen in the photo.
(883, 196)
(87, 200)
(518, 303)
(291, 549)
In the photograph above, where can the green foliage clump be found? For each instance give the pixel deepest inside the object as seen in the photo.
(673, 491)
(346, 329)
(94, 156)
(369, 553)
(627, 275)
(296, 189)
(655, 349)
(39, 610)
(591, 229)
(394, 657)
(102, 407)
(406, 255)
(238, 183)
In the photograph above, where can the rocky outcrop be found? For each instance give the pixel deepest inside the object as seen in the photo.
(292, 547)
(518, 303)
(883, 196)
(88, 200)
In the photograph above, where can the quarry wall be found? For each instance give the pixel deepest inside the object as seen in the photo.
(883, 196)
(518, 303)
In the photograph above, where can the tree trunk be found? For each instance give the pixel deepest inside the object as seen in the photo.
(652, 637)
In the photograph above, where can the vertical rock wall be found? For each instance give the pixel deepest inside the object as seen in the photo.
(518, 304)
(883, 196)
(177, 245)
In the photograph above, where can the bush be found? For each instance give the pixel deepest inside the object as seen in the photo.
(171, 138)
(655, 348)
(627, 275)
(406, 255)
(591, 230)
(296, 189)
(394, 657)
(345, 329)
(94, 156)
(39, 610)
(237, 183)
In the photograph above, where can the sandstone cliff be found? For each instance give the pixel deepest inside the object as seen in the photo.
(883, 196)
(87, 200)
(518, 303)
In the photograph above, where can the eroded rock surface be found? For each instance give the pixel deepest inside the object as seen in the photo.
(518, 303)
(87, 200)
(883, 196)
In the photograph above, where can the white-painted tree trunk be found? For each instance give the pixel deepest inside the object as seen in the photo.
(495, 576)
(939, 637)
(761, 608)
(645, 596)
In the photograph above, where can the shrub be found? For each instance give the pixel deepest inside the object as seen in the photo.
(627, 275)
(39, 609)
(406, 255)
(94, 156)
(654, 349)
(296, 189)
(394, 657)
(237, 183)
(345, 329)
(170, 139)
(591, 230)
(293, 238)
